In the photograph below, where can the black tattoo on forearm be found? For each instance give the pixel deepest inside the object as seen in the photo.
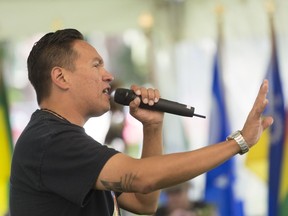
(124, 185)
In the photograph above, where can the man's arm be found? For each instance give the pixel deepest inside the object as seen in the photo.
(148, 202)
(152, 146)
(149, 174)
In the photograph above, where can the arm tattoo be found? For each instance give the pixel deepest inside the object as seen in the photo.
(124, 185)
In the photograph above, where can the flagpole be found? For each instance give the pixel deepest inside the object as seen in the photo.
(270, 8)
(219, 10)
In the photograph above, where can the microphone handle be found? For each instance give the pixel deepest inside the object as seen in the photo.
(173, 108)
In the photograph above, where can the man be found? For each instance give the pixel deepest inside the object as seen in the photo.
(58, 170)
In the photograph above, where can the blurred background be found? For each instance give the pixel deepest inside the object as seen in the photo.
(170, 45)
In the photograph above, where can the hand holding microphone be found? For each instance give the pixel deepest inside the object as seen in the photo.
(125, 96)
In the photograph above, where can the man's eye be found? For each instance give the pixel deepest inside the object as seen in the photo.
(98, 64)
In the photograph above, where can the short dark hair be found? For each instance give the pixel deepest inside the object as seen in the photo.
(53, 49)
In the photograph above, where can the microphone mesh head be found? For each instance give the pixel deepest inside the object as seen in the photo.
(124, 96)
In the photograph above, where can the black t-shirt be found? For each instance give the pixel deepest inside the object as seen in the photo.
(54, 167)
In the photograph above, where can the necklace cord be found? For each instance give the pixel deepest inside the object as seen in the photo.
(54, 113)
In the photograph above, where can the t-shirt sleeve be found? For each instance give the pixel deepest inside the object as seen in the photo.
(71, 164)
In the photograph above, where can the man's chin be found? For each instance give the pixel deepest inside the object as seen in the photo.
(101, 112)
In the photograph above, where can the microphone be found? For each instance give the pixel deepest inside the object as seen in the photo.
(125, 96)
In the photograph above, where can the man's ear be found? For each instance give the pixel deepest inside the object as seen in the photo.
(58, 76)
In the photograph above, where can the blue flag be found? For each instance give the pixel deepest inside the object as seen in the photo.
(220, 182)
(276, 108)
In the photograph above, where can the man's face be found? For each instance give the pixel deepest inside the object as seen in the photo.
(90, 82)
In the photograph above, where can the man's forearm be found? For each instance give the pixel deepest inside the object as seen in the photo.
(152, 146)
(152, 140)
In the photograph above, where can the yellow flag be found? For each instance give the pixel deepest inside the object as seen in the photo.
(257, 157)
(5, 149)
